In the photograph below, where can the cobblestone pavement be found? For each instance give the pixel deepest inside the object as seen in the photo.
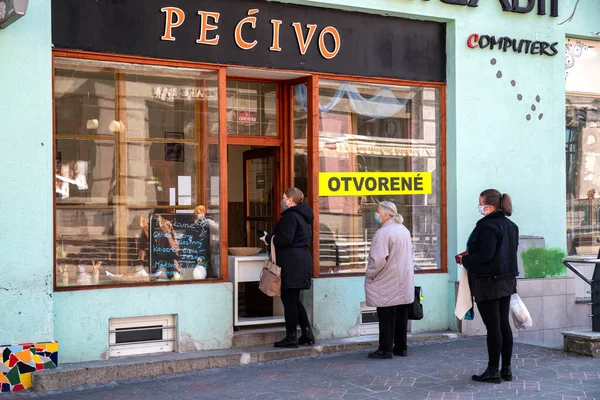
(436, 370)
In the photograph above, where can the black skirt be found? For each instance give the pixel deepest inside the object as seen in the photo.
(489, 289)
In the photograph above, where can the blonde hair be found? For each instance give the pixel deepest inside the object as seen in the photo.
(295, 194)
(390, 209)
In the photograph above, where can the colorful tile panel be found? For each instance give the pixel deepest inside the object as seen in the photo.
(20, 361)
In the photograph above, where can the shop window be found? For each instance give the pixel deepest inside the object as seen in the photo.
(377, 128)
(136, 173)
(251, 108)
(582, 140)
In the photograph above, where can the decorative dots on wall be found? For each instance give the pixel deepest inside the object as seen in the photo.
(513, 83)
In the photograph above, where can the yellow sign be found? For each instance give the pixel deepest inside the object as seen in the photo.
(374, 183)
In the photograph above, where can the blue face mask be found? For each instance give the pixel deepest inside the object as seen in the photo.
(377, 218)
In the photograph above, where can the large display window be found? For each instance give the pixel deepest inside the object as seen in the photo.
(136, 173)
(373, 128)
(582, 139)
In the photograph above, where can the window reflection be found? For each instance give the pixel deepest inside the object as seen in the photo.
(374, 128)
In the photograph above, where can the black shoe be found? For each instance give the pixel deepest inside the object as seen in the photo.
(506, 373)
(381, 355)
(490, 375)
(288, 341)
(307, 337)
(401, 353)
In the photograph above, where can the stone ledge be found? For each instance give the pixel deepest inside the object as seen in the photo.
(586, 343)
(126, 368)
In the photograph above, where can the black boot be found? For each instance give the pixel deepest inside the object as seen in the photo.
(289, 340)
(490, 375)
(307, 337)
(506, 373)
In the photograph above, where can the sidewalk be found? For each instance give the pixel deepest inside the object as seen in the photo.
(125, 368)
(433, 370)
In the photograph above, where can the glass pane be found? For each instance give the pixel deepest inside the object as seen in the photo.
(84, 238)
(374, 128)
(168, 154)
(582, 63)
(583, 175)
(300, 142)
(85, 172)
(251, 108)
(163, 107)
(161, 174)
(195, 244)
(84, 101)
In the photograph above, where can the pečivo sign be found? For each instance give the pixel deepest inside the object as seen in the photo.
(374, 183)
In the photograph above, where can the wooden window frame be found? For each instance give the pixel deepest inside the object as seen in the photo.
(284, 141)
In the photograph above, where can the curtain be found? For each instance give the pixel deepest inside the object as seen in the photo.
(382, 105)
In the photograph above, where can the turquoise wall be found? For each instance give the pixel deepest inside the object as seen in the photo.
(26, 189)
(490, 143)
(204, 316)
(336, 305)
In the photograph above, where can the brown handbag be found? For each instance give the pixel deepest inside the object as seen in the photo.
(270, 276)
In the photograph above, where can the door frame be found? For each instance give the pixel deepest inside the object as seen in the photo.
(271, 151)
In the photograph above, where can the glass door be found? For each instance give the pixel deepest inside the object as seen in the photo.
(261, 192)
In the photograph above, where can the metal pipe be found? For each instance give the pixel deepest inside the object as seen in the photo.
(594, 283)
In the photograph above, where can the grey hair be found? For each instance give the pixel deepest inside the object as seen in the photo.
(390, 209)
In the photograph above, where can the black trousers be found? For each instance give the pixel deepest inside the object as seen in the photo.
(293, 310)
(393, 323)
(494, 314)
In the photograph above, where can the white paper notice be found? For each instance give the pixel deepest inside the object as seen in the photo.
(172, 196)
(184, 185)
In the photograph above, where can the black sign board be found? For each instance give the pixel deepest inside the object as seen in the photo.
(255, 33)
(190, 245)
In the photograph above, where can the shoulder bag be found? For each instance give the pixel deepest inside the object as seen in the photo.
(270, 276)
(415, 310)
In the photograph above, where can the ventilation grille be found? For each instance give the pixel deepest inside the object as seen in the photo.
(142, 335)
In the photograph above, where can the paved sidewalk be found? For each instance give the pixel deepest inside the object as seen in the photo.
(436, 370)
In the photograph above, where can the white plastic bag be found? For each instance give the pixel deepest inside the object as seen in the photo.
(520, 313)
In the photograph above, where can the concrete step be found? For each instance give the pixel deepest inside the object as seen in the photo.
(125, 368)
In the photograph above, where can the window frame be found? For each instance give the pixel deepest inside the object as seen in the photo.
(119, 84)
(313, 155)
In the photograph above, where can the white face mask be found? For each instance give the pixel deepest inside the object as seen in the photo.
(284, 205)
(481, 209)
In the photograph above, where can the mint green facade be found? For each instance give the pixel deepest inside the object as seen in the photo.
(26, 188)
(490, 142)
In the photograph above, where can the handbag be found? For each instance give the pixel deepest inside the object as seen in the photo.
(415, 310)
(270, 275)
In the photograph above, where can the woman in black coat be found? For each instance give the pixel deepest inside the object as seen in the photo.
(491, 262)
(292, 236)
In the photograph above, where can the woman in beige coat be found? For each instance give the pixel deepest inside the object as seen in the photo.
(389, 280)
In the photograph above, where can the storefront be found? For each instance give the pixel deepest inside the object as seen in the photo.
(177, 125)
(173, 148)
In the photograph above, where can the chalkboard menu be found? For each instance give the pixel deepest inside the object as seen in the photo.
(190, 244)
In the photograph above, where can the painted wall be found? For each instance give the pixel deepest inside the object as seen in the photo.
(336, 305)
(26, 191)
(205, 316)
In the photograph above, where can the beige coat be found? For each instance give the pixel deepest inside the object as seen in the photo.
(389, 279)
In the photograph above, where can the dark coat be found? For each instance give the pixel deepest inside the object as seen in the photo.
(492, 259)
(293, 234)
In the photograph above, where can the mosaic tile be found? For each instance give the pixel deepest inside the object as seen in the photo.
(13, 376)
(24, 356)
(18, 387)
(54, 358)
(12, 360)
(24, 368)
(21, 361)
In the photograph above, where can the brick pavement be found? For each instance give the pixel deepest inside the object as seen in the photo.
(434, 370)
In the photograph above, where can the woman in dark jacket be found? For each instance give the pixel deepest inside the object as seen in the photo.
(292, 236)
(491, 262)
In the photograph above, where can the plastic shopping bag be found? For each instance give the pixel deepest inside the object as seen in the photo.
(520, 313)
